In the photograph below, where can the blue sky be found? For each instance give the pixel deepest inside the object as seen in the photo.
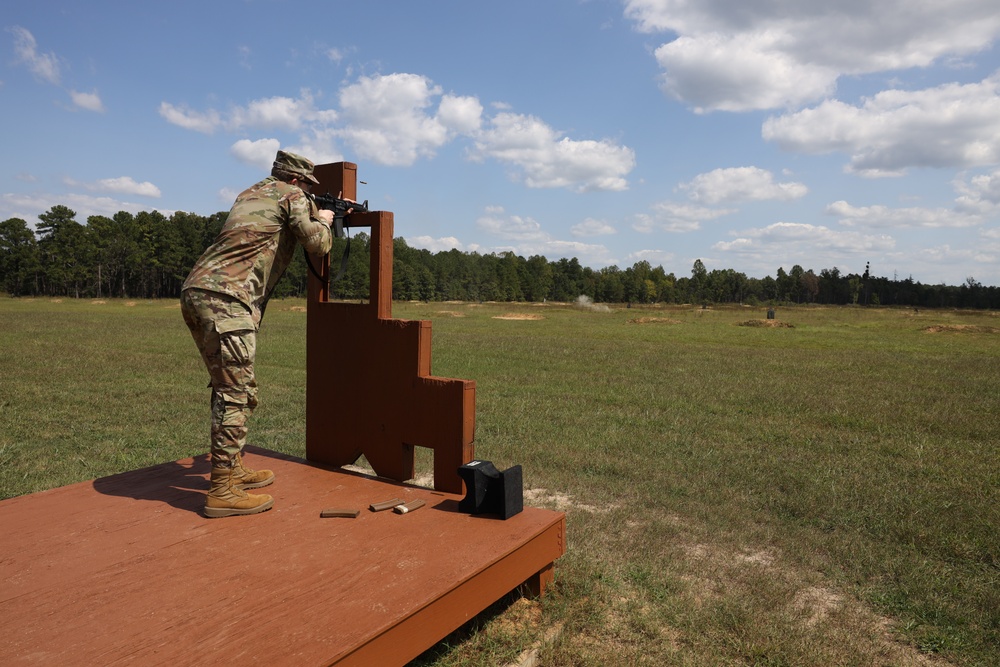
(749, 134)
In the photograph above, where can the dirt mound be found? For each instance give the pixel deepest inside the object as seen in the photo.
(771, 324)
(518, 316)
(961, 328)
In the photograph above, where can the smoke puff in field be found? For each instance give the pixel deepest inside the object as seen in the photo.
(585, 302)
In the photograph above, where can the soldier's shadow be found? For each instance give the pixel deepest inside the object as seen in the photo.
(180, 484)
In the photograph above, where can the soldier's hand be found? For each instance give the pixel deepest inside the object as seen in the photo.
(326, 217)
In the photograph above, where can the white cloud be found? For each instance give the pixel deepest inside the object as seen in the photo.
(719, 72)
(900, 218)
(126, 185)
(654, 257)
(669, 216)
(205, 122)
(88, 101)
(397, 119)
(740, 184)
(269, 113)
(45, 66)
(280, 112)
(443, 244)
(510, 227)
(981, 195)
(790, 239)
(952, 125)
(463, 115)
(121, 185)
(544, 158)
(259, 153)
(387, 120)
(529, 238)
(29, 207)
(754, 55)
(592, 227)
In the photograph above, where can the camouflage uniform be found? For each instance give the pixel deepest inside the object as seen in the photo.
(226, 292)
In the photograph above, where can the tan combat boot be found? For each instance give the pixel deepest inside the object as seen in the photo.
(225, 498)
(248, 478)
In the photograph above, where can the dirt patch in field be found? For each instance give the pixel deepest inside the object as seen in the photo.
(767, 324)
(558, 501)
(450, 313)
(961, 328)
(653, 320)
(518, 316)
(717, 572)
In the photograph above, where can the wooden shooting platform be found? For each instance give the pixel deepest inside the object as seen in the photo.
(124, 570)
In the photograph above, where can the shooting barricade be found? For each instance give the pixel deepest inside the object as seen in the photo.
(125, 570)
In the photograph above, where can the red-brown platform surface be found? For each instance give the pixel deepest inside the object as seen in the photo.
(123, 570)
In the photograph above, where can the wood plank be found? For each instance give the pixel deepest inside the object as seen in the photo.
(124, 570)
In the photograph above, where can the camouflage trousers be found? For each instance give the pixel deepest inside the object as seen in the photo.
(224, 331)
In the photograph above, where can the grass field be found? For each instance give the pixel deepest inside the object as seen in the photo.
(821, 493)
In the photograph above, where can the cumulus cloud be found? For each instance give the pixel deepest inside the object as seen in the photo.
(259, 153)
(900, 218)
(205, 122)
(741, 184)
(951, 125)
(660, 257)
(980, 195)
(592, 227)
(528, 238)
(670, 216)
(29, 207)
(269, 113)
(121, 185)
(44, 66)
(442, 244)
(280, 112)
(126, 185)
(741, 56)
(791, 239)
(719, 72)
(387, 120)
(397, 119)
(543, 158)
(510, 227)
(88, 101)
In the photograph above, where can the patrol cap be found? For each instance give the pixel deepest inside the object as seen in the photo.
(295, 164)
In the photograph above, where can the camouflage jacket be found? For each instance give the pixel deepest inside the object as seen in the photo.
(257, 242)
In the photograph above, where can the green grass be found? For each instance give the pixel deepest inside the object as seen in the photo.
(823, 494)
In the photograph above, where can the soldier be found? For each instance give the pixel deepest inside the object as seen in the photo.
(223, 300)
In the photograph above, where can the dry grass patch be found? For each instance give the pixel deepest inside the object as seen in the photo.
(450, 313)
(767, 324)
(961, 328)
(518, 316)
(558, 501)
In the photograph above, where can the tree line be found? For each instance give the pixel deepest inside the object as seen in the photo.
(148, 255)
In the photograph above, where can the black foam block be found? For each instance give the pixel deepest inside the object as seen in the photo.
(489, 491)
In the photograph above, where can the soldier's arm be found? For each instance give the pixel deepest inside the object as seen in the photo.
(308, 226)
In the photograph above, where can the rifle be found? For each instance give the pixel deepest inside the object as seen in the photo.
(342, 209)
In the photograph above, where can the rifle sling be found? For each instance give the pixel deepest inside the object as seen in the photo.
(343, 263)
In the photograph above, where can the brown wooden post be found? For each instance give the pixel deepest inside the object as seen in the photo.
(369, 388)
